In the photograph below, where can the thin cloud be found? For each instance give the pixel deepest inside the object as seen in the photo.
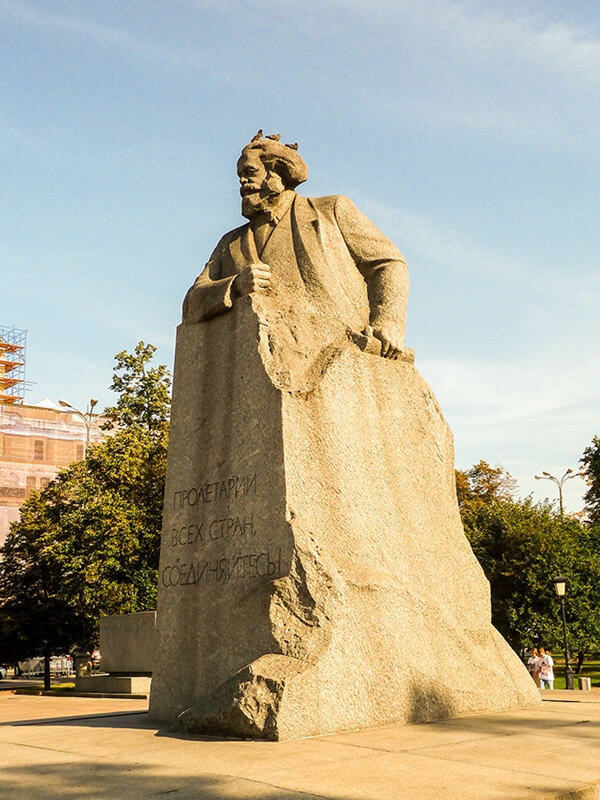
(442, 245)
(472, 32)
(554, 47)
(529, 416)
(524, 78)
(105, 35)
(477, 32)
(487, 393)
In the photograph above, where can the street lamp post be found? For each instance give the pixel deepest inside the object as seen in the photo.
(545, 476)
(560, 584)
(88, 419)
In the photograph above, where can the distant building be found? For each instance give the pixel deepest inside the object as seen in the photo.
(35, 443)
(580, 516)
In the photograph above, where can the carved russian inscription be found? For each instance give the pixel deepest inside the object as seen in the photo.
(211, 547)
(242, 566)
(214, 491)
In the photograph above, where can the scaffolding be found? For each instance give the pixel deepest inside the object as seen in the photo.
(12, 365)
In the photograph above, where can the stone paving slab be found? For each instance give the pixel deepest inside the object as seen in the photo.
(88, 749)
(29, 708)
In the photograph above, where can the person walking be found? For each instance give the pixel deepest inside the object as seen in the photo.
(546, 669)
(533, 665)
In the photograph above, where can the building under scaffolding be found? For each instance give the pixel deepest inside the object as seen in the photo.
(12, 365)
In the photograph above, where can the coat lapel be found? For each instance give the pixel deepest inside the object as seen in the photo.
(306, 236)
(306, 225)
(308, 248)
(243, 249)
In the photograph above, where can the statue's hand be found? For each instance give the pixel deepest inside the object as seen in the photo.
(253, 278)
(391, 347)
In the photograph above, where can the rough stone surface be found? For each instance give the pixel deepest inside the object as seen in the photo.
(128, 642)
(314, 572)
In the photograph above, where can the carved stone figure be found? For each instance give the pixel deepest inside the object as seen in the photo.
(322, 250)
(314, 574)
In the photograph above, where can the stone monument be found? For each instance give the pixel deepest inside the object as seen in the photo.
(127, 647)
(314, 573)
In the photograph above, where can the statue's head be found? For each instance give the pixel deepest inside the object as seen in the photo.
(266, 168)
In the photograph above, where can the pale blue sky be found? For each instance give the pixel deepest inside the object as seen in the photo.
(467, 131)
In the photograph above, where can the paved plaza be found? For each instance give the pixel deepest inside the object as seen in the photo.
(74, 747)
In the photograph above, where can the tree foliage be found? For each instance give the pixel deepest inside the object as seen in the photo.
(143, 391)
(88, 545)
(591, 466)
(521, 546)
(483, 482)
(35, 616)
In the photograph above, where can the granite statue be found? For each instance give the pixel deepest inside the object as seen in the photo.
(314, 573)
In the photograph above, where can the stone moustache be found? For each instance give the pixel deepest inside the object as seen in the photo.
(314, 573)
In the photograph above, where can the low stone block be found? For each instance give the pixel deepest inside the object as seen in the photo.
(127, 642)
(114, 684)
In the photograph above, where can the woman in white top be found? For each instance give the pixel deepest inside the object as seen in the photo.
(546, 670)
(533, 665)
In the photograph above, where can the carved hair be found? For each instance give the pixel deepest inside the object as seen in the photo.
(283, 158)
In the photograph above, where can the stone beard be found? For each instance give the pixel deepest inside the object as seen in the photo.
(313, 556)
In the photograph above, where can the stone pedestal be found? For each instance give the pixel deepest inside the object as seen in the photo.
(127, 648)
(114, 684)
(128, 643)
(314, 574)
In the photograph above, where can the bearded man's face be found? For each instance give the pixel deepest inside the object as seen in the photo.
(260, 185)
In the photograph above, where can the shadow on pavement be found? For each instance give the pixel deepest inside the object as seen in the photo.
(107, 719)
(91, 780)
(48, 772)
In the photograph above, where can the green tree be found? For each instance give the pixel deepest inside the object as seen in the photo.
(521, 546)
(35, 617)
(88, 545)
(483, 482)
(143, 391)
(591, 466)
